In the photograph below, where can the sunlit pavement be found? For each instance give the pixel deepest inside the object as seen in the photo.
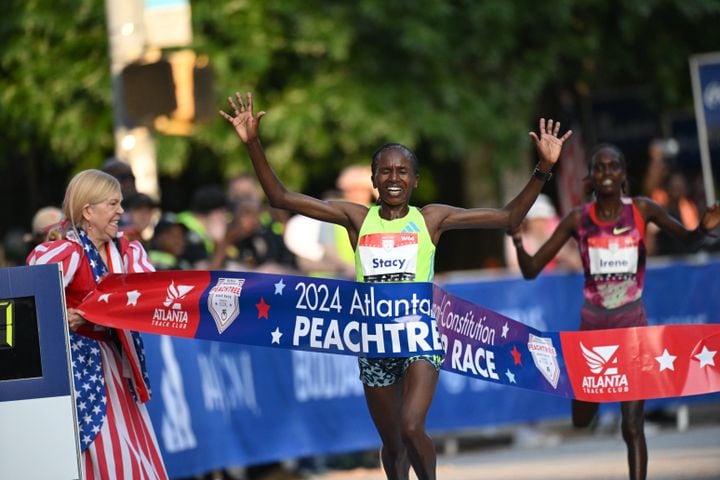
(690, 455)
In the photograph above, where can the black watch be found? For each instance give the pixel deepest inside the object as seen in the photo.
(540, 175)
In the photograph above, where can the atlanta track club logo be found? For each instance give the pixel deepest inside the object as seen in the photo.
(603, 364)
(224, 301)
(173, 315)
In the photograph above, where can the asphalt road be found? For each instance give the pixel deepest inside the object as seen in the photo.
(690, 455)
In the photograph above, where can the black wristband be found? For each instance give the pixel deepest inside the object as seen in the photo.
(517, 242)
(540, 175)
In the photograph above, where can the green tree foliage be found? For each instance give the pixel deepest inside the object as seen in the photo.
(459, 80)
(54, 82)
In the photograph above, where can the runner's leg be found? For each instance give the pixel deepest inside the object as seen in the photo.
(633, 433)
(385, 405)
(420, 381)
(583, 413)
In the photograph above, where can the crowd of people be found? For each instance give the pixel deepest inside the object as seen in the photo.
(254, 223)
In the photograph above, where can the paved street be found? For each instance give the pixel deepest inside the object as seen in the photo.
(690, 455)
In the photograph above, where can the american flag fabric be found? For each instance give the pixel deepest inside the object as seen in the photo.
(125, 445)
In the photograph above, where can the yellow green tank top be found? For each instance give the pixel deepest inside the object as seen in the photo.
(398, 250)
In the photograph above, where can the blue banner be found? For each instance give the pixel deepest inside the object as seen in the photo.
(218, 404)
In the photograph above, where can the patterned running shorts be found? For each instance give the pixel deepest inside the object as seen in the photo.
(382, 372)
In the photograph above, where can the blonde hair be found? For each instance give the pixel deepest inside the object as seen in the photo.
(86, 188)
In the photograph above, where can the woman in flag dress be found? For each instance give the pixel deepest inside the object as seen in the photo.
(398, 392)
(610, 231)
(111, 383)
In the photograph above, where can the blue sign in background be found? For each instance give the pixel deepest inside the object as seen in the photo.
(709, 74)
(218, 404)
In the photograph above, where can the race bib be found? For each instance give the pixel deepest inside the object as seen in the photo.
(388, 257)
(611, 255)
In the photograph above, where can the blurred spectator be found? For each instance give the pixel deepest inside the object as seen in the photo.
(168, 244)
(15, 248)
(124, 174)
(324, 249)
(44, 222)
(355, 185)
(536, 228)
(668, 187)
(302, 238)
(255, 245)
(245, 188)
(680, 206)
(206, 222)
(140, 210)
(657, 170)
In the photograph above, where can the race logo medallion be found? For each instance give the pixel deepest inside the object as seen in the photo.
(544, 356)
(224, 301)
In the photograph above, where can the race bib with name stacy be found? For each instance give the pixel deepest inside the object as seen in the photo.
(610, 255)
(388, 257)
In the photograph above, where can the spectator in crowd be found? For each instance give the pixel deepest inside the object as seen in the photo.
(45, 221)
(206, 222)
(323, 249)
(116, 435)
(539, 223)
(245, 188)
(122, 171)
(682, 208)
(168, 244)
(657, 170)
(141, 210)
(667, 186)
(254, 245)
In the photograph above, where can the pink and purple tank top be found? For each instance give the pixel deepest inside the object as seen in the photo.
(613, 256)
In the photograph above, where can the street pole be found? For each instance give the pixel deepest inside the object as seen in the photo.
(133, 143)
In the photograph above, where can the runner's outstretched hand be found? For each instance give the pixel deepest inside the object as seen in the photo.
(246, 124)
(548, 145)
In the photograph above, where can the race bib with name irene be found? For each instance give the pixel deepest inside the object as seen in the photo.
(610, 255)
(388, 257)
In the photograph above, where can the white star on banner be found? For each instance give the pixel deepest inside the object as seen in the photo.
(706, 357)
(666, 361)
(510, 375)
(505, 330)
(279, 286)
(276, 334)
(133, 296)
(105, 297)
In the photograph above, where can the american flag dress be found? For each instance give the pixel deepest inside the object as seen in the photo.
(111, 383)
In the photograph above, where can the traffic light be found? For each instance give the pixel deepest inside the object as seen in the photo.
(148, 91)
(170, 94)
